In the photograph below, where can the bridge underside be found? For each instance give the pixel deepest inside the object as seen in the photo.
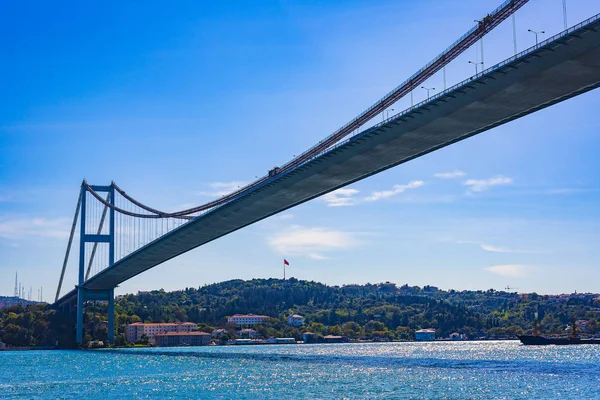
(548, 75)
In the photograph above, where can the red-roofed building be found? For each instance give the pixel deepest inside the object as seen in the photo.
(134, 332)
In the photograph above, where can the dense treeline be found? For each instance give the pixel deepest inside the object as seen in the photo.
(35, 325)
(356, 311)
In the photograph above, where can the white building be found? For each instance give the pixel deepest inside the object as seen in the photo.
(425, 335)
(295, 320)
(246, 319)
(134, 332)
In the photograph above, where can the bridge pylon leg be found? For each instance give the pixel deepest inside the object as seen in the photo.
(79, 329)
(111, 316)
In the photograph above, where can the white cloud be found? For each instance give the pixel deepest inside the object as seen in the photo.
(219, 189)
(450, 175)
(287, 216)
(397, 189)
(40, 227)
(511, 270)
(481, 185)
(317, 256)
(341, 197)
(499, 249)
(311, 242)
(496, 249)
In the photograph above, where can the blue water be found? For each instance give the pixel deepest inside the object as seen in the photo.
(447, 370)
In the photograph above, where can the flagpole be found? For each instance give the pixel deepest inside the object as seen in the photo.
(284, 269)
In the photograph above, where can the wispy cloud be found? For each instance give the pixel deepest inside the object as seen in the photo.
(341, 197)
(481, 185)
(397, 189)
(499, 249)
(287, 216)
(35, 227)
(311, 242)
(511, 270)
(494, 248)
(450, 175)
(218, 189)
(317, 256)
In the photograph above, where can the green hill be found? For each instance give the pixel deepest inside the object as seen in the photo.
(357, 311)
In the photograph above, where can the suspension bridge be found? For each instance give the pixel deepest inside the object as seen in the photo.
(121, 237)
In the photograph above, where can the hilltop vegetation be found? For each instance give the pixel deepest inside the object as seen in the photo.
(357, 311)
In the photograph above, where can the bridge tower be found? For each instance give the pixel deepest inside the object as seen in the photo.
(84, 294)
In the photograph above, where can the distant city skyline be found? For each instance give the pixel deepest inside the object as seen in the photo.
(180, 106)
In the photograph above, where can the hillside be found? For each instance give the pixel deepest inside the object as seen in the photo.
(384, 306)
(357, 311)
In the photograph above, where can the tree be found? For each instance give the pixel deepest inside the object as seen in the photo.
(144, 339)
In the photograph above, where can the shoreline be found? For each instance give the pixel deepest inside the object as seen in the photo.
(45, 348)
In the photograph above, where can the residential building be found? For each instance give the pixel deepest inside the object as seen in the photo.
(425, 335)
(134, 332)
(171, 339)
(295, 320)
(248, 333)
(217, 333)
(247, 319)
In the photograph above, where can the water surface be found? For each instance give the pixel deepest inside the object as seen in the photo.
(439, 370)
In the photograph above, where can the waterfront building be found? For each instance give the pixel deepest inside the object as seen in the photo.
(242, 341)
(425, 335)
(281, 341)
(246, 319)
(171, 339)
(309, 337)
(134, 332)
(333, 339)
(295, 320)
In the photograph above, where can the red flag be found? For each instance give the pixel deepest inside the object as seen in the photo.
(285, 262)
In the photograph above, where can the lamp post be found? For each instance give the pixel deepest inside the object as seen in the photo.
(565, 13)
(476, 64)
(385, 114)
(536, 33)
(428, 89)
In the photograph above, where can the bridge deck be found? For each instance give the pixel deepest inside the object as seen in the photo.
(548, 74)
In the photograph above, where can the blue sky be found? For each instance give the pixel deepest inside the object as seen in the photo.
(175, 104)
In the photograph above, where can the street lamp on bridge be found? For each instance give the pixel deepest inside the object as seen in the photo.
(428, 89)
(476, 64)
(386, 114)
(536, 33)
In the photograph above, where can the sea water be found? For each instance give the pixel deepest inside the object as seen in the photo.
(433, 370)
